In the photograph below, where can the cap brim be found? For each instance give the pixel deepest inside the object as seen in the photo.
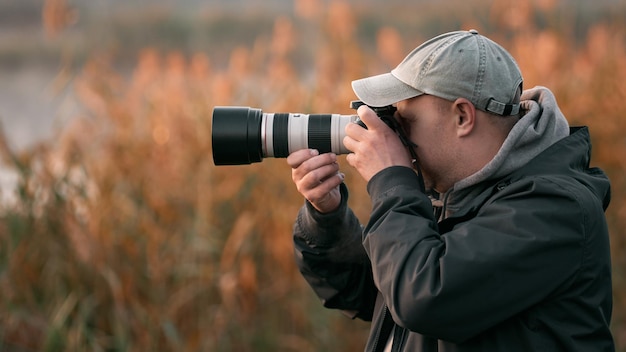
(383, 90)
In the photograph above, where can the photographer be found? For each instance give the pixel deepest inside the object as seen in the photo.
(487, 233)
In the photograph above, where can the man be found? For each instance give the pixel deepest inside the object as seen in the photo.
(506, 249)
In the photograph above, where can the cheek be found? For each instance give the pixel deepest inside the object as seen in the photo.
(430, 145)
(421, 136)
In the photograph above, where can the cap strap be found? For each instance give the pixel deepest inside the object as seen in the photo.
(502, 109)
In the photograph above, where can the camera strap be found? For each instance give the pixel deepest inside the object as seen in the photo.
(411, 147)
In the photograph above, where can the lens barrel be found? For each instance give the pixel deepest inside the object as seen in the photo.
(236, 135)
(243, 135)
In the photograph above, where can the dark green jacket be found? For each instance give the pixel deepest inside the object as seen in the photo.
(522, 266)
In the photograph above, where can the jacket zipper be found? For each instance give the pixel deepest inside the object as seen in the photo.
(384, 331)
(399, 334)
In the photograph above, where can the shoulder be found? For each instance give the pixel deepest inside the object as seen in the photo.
(558, 201)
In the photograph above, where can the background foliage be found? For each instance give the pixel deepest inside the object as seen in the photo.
(121, 235)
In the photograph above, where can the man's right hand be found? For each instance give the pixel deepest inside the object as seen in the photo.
(317, 178)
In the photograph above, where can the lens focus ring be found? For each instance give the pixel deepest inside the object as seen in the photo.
(319, 133)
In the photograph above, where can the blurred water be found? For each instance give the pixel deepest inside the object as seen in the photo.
(27, 106)
(32, 108)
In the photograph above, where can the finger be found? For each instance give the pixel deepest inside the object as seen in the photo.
(315, 162)
(296, 158)
(351, 159)
(322, 189)
(318, 176)
(355, 132)
(309, 176)
(326, 201)
(349, 142)
(369, 118)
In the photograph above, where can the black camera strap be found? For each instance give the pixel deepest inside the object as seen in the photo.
(391, 122)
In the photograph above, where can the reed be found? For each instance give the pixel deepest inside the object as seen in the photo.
(123, 236)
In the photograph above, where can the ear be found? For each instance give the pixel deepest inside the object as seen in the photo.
(465, 116)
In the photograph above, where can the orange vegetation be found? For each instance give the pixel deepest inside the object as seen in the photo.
(124, 236)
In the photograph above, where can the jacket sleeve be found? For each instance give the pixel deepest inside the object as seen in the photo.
(522, 246)
(331, 258)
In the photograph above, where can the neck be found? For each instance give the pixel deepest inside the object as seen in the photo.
(476, 150)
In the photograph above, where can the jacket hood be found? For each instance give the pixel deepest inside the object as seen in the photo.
(542, 125)
(572, 157)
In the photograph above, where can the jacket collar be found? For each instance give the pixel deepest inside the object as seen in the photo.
(570, 156)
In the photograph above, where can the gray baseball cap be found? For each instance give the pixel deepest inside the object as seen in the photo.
(461, 64)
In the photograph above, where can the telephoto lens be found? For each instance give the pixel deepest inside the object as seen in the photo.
(243, 135)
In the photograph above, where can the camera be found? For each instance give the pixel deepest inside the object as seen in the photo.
(244, 135)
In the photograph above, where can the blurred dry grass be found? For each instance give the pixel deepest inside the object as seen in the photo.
(125, 237)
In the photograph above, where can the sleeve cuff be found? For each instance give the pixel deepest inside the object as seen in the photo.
(391, 178)
(321, 229)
